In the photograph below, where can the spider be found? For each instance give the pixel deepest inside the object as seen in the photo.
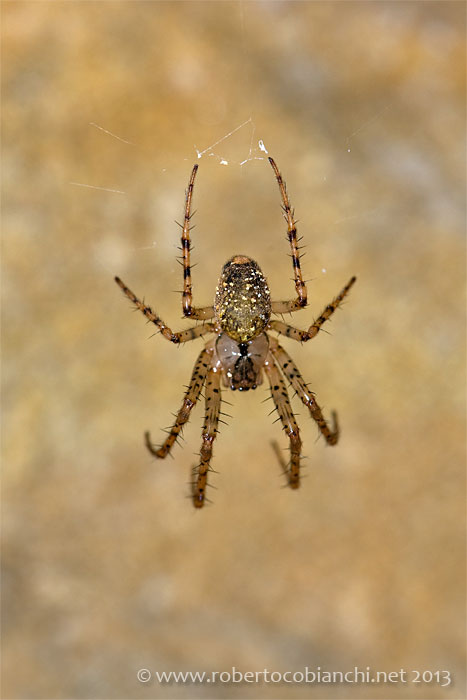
(242, 350)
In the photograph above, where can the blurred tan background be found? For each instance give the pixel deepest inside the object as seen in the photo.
(107, 566)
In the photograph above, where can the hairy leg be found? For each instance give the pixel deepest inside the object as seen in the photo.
(191, 396)
(187, 296)
(303, 336)
(300, 287)
(287, 418)
(174, 337)
(211, 421)
(290, 370)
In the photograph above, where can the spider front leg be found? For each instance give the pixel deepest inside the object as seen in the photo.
(211, 421)
(191, 397)
(290, 370)
(287, 418)
(303, 336)
(174, 337)
(202, 313)
(281, 307)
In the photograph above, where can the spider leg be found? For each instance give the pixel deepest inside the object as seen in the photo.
(287, 418)
(290, 370)
(300, 287)
(174, 337)
(303, 336)
(211, 421)
(191, 396)
(201, 313)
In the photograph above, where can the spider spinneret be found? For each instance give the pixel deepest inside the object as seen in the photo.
(242, 351)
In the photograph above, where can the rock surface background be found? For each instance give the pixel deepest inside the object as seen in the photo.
(107, 566)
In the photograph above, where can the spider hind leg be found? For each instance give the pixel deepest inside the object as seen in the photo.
(300, 287)
(201, 313)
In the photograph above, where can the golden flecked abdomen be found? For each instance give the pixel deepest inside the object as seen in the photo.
(242, 302)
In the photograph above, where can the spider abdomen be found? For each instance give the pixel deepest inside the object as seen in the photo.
(242, 302)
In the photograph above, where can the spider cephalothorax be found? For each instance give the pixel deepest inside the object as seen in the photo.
(242, 363)
(241, 350)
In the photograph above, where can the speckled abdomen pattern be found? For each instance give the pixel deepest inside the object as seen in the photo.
(242, 302)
